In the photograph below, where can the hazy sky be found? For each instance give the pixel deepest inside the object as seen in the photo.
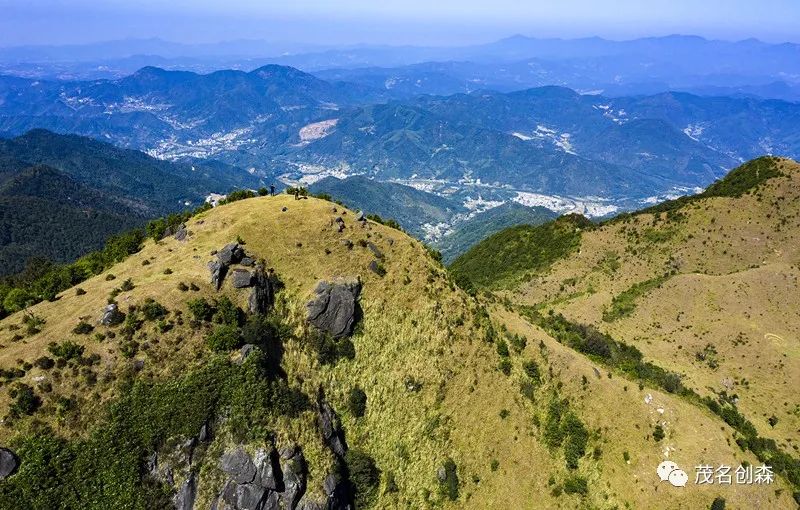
(439, 22)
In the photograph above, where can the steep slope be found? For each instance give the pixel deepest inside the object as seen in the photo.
(46, 214)
(455, 416)
(704, 287)
(152, 186)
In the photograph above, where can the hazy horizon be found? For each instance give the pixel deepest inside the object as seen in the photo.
(414, 22)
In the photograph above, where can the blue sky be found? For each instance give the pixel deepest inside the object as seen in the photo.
(438, 22)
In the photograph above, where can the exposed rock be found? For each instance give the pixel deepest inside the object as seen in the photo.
(111, 315)
(340, 227)
(294, 480)
(262, 297)
(441, 474)
(267, 471)
(375, 251)
(8, 463)
(334, 310)
(184, 499)
(247, 261)
(330, 428)
(205, 433)
(375, 268)
(232, 253)
(248, 496)
(272, 502)
(238, 465)
(347, 243)
(182, 233)
(284, 209)
(334, 209)
(339, 219)
(241, 278)
(360, 216)
(245, 351)
(218, 271)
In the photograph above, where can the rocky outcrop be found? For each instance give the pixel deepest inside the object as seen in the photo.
(218, 272)
(262, 297)
(335, 308)
(184, 499)
(266, 481)
(181, 233)
(8, 463)
(111, 315)
(241, 278)
(375, 251)
(231, 253)
(330, 428)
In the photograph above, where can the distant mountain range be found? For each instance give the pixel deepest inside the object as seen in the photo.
(63, 195)
(546, 146)
(639, 66)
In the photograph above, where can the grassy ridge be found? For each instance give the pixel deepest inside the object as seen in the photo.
(514, 252)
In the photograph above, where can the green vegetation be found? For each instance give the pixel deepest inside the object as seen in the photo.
(563, 427)
(576, 485)
(739, 181)
(449, 482)
(518, 251)
(357, 402)
(103, 470)
(364, 475)
(628, 360)
(224, 338)
(624, 304)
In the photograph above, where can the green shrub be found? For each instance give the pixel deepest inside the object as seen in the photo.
(505, 366)
(67, 350)
(127, 285)
(658, 432)
(26, 402)
(718, 503)
(357, 402)
(226, 312)
(502, 348)
(576, 485)
(223, 338)
(153, 310)
(531, 369)
(576, 437)
(200, 309)
(364, 475)
(449, 486)
(83, 328)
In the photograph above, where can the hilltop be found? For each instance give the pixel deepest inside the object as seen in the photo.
(704, 287)
(420, 397)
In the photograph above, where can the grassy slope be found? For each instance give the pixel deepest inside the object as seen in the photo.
(409, 329)
(732, 296)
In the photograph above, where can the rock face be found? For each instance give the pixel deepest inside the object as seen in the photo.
(241, 278)
(335, 309)
(182, 233)
(262, 297)
(8, 463)
(184, 499)
(238, 465)
(111, 315)
(231, 254)
(218, 272)
(330, 428)
(275, 482)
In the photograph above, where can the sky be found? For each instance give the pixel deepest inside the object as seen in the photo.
(417, 22)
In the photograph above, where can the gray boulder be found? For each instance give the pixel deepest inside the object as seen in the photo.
(238, 465)
(347, 243)
(248, 261)
(218, 272)
(360, 216)
(111, 315)
(245, 352)
(246, 496)
(262, 297)
(184, 499)
(375, 268)
(334, 309)
(231, 254)
(330, 428)
(294, 480)
(241, 278)
(182, 233)
(375, 251)
(268, 474)
(8, 463)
